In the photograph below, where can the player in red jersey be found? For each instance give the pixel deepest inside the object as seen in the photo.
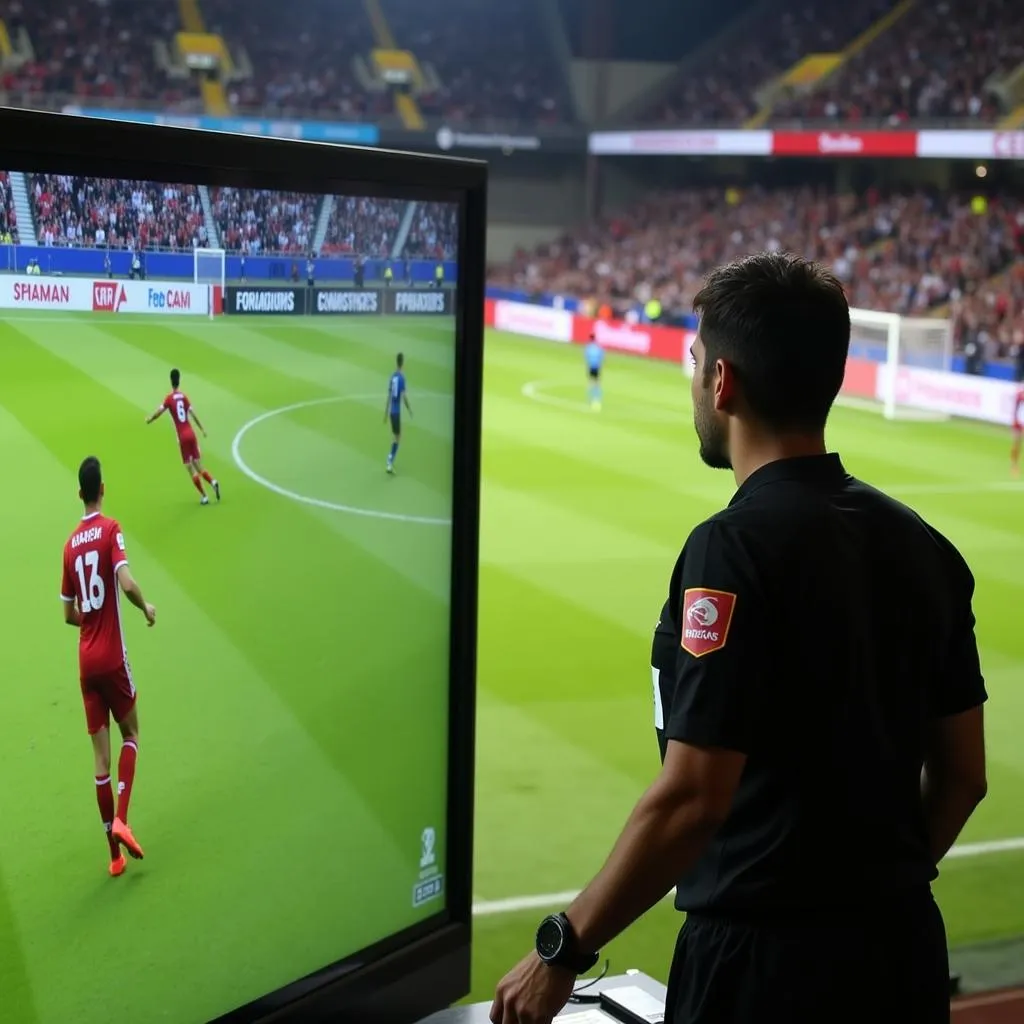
(1018, 431)
(180, 408)
(95, 573)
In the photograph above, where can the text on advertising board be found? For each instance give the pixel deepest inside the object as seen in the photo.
(169, 298)
(421, 302)
(41, 293)
(347, 301)
(107, 296)
(253, 300)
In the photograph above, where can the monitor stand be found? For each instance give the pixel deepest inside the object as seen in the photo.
(479, 1013)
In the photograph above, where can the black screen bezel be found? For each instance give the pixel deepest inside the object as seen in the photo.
(425, 967)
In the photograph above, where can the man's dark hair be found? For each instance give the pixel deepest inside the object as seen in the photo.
(175, 378)
(400, 359)
(783, 324)
(90, 479)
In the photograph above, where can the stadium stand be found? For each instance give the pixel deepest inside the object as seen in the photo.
(100, 50)
(8, 218)
(719, 85)
(259, 221)
(904, 252)
(933, 63)
(302, 62)
(120, 214)
(365, 226)
(434, 232)
(493, 60)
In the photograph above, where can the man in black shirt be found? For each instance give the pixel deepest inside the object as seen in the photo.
(818, 701)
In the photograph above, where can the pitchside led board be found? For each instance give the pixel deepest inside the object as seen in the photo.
(302, 787)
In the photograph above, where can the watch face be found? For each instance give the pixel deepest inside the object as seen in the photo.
(549, 938)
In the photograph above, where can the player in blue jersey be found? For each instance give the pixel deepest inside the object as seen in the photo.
(397, 394)
(594, 355)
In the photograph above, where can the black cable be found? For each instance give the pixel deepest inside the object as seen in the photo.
(579, 994)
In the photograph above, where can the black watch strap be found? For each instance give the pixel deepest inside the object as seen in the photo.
(558, 946)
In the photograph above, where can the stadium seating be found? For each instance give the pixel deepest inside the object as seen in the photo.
(492, 58)
(932, 64)
(301, 58)
(260, 221)
(88, 49)
(906, 253)
(120, 214)
(8, 218)
(433, 233)
(359, 224)
(719, 87)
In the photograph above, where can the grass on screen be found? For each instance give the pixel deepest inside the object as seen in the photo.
(267, 784)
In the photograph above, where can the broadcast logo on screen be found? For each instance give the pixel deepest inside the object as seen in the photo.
(430, 884)
(108, 297)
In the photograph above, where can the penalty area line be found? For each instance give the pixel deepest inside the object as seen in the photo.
(541, 901)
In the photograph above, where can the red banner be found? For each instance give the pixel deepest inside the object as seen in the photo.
(844, 143)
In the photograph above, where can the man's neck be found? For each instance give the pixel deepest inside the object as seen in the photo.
(92, 510)
(755, 453)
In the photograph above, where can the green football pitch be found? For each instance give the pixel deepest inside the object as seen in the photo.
(291, 726)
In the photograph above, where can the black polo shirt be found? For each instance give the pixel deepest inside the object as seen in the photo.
(815, 625)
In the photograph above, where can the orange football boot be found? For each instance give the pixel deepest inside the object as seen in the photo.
(117, 866)
(123, 834)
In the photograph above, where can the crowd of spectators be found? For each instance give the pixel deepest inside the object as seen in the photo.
(71, 210)
(256, 221)
(906, 253)
(8, 218)
(363, 226)
(493, 60)
(95, 49)
(434, 232)
(720, 85)
(932, 64)
(302, 57)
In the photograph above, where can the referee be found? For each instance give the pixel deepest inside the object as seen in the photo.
(818, 699)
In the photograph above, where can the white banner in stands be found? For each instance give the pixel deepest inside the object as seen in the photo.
(952, 394)
(84, 295)
(534, 321)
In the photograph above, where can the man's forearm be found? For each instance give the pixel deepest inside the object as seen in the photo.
(661, 841)
(947, 808)
(134, 594)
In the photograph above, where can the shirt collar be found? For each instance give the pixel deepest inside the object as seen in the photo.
(819, 469)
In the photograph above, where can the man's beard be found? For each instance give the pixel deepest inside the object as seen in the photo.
(714, 449)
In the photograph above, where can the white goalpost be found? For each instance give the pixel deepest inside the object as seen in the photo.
(208, 268)
(898, 343)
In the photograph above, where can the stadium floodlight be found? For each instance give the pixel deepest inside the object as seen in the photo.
(897, 343)
(209, 268)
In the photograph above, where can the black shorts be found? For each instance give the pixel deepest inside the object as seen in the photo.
(594, 374)
(396, 423)
(885, 964)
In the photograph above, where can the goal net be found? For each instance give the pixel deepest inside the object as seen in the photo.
(883, 348)
(208, 269)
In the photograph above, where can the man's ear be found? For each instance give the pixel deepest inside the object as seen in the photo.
(723, 387)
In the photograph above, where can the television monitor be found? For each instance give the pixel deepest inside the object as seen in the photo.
(290, 746)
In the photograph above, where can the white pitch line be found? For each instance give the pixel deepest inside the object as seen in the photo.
(305, 499)
(515, 904)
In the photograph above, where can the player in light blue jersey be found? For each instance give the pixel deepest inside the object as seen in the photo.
(594, 355)
(397, 394)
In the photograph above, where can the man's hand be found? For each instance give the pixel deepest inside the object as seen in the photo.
(531, 993)
(150, 612)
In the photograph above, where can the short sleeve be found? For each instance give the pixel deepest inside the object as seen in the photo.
(663, 664)
(722, 625)
(167, 403)
(67, 582)
(960, 685)
(118, 554)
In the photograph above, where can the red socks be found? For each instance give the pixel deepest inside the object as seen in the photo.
(125, 778)
(105, 798)
(207, 477)
(199, 485)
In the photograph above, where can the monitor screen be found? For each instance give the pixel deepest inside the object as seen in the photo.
(230, 405)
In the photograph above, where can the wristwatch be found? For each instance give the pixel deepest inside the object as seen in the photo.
(558, 946)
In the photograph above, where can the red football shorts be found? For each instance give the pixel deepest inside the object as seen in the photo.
(110, 694)
(189, 449)
(1018, 429)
